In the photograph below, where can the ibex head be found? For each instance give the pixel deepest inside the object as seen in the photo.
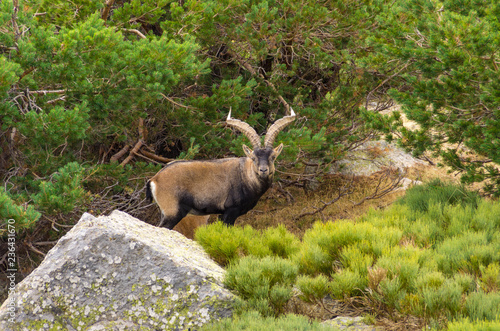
(262, 157)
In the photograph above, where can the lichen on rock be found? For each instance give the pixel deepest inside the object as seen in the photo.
(118, 273)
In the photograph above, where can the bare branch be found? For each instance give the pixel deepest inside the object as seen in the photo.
(134, 150)
(137, 32)
(342, 191)
(156, 157)
(15, 10)
(120, 153)
(107, 9)
(383, 189)
(175, 103)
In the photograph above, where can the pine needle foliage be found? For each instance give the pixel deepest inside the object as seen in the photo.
(264, 284)
(442, 60)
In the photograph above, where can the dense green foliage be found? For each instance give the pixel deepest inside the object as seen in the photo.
(444, 55)
(437, 263)
(80, 80)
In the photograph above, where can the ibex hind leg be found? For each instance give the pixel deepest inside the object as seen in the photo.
(170, 220)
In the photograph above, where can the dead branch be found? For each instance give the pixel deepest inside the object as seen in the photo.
(120, 153)
(156, 157)
(381, 189)
(107, 9)
(56, 100)
(173, 102)
(146, 158)
(342, 191)
(289, 197)
(17, 34)
(45, 243)
(387, 80)
(34, 249)
(44, 92)
(134, 150)
(137, 32)
(142, 132)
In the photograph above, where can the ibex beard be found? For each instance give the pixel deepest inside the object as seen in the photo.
(229, 187)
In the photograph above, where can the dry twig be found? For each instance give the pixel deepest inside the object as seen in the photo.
(134, 150)
(107, 9)
(120, 153)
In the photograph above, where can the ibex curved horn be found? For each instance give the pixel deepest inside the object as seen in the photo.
(277, 127)
(246, 129)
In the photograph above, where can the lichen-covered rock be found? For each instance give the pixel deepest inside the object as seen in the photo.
(374, 156)
(350, 324)
(118, 273)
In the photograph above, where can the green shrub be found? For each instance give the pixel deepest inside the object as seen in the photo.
(254, 321)
(483, 306)
(313, 289)
(467, 252)
(346, 283)
(312, 259)
(468, 325)
(353, 258)
(391, 292)
(490, 278)
(228, 243)
(327, 243)
(280, 242)
(444, 300)
(24, 217)
(403, 263)
(487, 216)
(419, 197)
(264, 284)
(63, 192)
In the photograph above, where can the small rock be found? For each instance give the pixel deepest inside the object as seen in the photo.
(350, 324)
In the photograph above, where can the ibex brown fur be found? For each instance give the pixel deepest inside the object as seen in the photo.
(189, 224)
(230, 187)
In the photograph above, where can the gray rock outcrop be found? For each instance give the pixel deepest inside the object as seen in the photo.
(118, 273)
(374, 156)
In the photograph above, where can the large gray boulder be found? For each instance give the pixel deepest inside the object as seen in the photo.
(118, 273)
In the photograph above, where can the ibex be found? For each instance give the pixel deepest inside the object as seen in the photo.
(188, 225)
(230, 187)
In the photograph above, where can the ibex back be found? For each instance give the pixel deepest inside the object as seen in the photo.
(230, 187)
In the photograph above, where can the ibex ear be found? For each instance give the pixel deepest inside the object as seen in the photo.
(277, 150)
(247, 150)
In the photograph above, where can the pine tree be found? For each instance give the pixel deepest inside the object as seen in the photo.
(445, 57)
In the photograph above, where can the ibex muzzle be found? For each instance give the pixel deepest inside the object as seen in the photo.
(230, 187)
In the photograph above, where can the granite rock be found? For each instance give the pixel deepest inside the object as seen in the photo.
(118, 273)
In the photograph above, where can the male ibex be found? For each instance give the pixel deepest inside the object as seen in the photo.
(230, 187)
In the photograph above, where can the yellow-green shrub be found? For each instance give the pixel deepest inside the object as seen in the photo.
(227, 243)
(264, 284)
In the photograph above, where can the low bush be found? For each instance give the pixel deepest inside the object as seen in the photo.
(254, 321)
(438, 263)
(264, 284)
(226, 244)
(468, 325)
(24, 217)
(419, 198)
(483, 306)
